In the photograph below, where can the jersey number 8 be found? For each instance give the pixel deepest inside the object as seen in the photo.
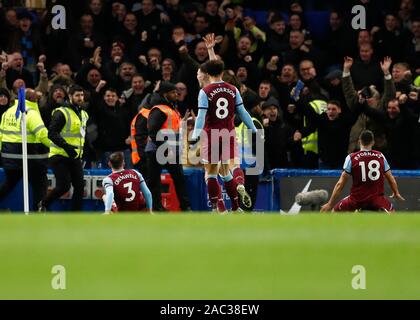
(373, 170)
(222, 108)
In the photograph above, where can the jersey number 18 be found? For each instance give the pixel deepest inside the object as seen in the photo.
(373, 172)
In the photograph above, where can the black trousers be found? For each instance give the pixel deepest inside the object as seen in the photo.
(37, 179)
(154, 179)
(68, 172)
(142, 168)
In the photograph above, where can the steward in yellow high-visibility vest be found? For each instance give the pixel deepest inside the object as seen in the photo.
(67, 132)
(11, 150)
(310, 143)
(246, 145)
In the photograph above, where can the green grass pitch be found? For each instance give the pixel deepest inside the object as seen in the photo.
(209, 256)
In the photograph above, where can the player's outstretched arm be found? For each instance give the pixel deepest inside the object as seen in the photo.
(109, 195)
(203, 105)
(336, 193)
(243, 114)
(147, 195)
(210, 41)
(394, 186)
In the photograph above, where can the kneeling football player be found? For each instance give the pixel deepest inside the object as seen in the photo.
(125, 190)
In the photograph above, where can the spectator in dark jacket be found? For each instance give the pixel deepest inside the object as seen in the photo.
(366, 70)
(113, 126)
(278, 136)
(400, 126)
(334, 128)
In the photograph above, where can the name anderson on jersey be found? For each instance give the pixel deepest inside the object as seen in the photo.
(220, 90)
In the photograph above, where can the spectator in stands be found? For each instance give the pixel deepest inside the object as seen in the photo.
(400, 127)
(27, 41)
(277, 40)
(97, 10)
(113, 122)
(413, 46)
(264, 90)
(401, 74)
(4, 101)
(334, 128)
(9, 23)
(55, 99)
(299, 51)
(83, 44)
(134, 96)
(152, 21)
(278, 136)
(374, 100)
(366, 70)
(16, 70)
(389, 41)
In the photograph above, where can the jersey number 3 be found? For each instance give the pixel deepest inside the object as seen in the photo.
(222, 110)
(373, 170)
(130, 191)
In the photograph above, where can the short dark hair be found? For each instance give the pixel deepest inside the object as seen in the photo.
(214, 68)
(74, 89)
(116, 160)
(335, 102)
(367, 138)
(276, 18)
(111, 90)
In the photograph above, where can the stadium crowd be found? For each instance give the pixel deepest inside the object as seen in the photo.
(119, 52)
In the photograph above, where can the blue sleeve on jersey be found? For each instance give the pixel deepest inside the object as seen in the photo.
(347, 165)
(109, 193)
(203, 101)
(238, 101)
(246, 118)
(199, 123)
(147, 195)
(386, 165)
(145, 190)
(139, 175)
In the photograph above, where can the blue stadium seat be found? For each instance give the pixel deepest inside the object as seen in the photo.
(318, 23)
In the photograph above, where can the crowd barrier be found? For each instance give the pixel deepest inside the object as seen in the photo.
(276, 192)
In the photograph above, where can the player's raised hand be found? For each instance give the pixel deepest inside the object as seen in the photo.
(386, 65)
(397, 197)
(210, 41)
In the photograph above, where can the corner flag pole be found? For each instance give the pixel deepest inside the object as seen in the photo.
(22, 109)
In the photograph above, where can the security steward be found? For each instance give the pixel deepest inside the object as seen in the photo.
(38, 146)
(140, 135)
(67, 132)
(165, 120)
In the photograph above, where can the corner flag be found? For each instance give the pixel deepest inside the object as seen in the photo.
(21, 108)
